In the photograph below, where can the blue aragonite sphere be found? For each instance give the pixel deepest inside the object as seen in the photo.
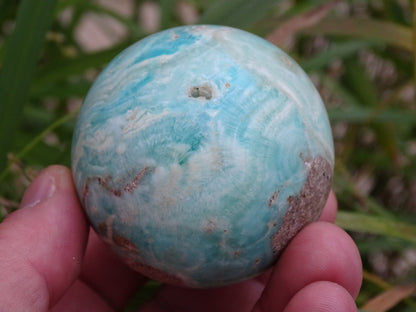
(199, 152)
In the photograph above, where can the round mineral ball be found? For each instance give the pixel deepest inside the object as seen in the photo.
(199, 152)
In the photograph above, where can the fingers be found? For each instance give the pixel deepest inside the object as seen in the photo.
(42, 244)
(107, 275)
(330, 210)
(80, 297)
(322, 297)
(239, 297)
(320, 252)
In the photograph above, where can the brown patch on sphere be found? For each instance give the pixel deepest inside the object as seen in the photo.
(102, 229)
(124, 243)
(307, 206)
(154, 273)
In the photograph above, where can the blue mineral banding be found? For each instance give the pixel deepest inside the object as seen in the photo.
(199, 152)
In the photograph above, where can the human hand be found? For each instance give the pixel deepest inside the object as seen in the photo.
(51, 261)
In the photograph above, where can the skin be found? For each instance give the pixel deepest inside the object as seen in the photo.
(52, 261)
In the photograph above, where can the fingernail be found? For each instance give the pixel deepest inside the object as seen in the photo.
(42, 188)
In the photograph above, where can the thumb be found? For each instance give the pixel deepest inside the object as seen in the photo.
(42, 243)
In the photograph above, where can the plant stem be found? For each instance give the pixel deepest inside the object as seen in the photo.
(39, 138)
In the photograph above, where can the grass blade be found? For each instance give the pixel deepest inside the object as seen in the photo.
(6, 7)
(281, 35)
(61, 91)
(337, 51)
(390, 298)
(414, 43)
(387, 32)
(37, 139)
(62, 69)
(363, 115)
(361, 222)
(143, 295)
(21, 56)
(237, 13)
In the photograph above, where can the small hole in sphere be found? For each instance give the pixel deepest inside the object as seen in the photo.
(204, 91)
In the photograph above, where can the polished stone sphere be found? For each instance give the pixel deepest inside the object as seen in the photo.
(199, 152)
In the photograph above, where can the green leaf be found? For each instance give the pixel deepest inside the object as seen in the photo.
(387, 32)
(236, 13)
(143, 295)
(21, 56)
(356, 221)
(357, 81)
(61, 91)
(381, 244)
(166, 13)
(6, 8)
(363, 115)
(337, 51)
(62, 69)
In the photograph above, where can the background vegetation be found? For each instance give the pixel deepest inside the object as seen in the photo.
(360, 54)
